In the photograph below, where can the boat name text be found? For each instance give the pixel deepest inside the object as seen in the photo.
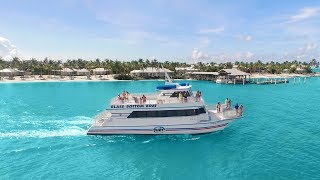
(134, 106)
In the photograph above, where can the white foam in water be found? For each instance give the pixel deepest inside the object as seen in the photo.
(67, 131)
(78, 120)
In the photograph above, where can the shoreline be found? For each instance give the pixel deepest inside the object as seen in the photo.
(110, 78)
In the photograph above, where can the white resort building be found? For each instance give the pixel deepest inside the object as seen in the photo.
(150, 72)
(226, 76)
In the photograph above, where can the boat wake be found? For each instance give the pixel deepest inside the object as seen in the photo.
(30, 128)
(44, 133)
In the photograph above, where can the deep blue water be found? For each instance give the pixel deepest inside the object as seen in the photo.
(43, 135)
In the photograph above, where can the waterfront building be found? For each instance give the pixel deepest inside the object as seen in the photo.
(150, 72)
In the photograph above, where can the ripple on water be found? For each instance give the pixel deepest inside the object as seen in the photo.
(43, 131)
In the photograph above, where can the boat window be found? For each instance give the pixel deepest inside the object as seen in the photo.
(167, 113)
(201, 111)
(175, 94)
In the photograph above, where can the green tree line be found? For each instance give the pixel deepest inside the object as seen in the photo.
(47, 66)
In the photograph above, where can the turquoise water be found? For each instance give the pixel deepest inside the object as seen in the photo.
(43, 135)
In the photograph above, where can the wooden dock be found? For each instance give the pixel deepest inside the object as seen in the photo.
(270, 81)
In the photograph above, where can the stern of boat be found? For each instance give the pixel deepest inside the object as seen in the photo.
(99, 121)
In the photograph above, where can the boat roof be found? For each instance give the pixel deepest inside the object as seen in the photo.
(173, 86)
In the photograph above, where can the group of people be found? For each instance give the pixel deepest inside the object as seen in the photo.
(141, 100)
(198, 96)
(183, 96)
(124, 96)
(238, 108)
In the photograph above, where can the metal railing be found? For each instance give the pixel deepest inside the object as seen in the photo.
(153, 99)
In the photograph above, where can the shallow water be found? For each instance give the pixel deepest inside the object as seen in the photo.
(43, 135)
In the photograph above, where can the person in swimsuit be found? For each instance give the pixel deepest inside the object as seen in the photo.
(240, 110)
(237, 107)
(218, 107)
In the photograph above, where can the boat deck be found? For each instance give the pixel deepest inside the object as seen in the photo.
(133, 99)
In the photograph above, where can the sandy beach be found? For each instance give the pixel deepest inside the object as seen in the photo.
(50, 78)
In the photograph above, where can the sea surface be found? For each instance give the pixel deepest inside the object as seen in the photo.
(43, 134)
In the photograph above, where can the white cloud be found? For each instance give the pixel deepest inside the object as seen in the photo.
(197, 54)
(304, 13)
(306, 52)
(204, 42)
(311, 47)
(308, 47)
(244, 37)
(7, 49)
(211, 30)
(248, 54)
(248, 38)
(222, 57)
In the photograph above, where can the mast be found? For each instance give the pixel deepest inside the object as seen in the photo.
(167, 77)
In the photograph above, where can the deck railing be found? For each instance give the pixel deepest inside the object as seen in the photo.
(152, 99)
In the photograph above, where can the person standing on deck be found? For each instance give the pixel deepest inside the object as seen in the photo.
(240, 110)
(226, 102)
(237, 107)
(218, 107)
(198, 96)
(180, 96)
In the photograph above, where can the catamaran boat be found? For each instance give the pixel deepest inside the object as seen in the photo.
(173, 109)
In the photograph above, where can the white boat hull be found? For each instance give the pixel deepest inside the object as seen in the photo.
(198, 128)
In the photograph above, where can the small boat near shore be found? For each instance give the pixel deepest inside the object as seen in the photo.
(173, 109)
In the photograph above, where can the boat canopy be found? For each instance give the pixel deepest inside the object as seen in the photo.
(184, 84)
(167, 87)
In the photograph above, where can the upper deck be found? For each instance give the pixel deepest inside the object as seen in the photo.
(155, 98)
(172, 93)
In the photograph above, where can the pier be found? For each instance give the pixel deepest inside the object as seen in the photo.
(279, 80)
(271, 81)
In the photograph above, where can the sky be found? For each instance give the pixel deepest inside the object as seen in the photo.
(174, 30)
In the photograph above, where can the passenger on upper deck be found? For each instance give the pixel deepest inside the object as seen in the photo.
(180, 96)
(185, 96)
(218, 107)
(144, 98)
(240, 110)
(127, 96)
(135, 99)
(120, 98)
(198, 96)
(228, 103)
(237, 107)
